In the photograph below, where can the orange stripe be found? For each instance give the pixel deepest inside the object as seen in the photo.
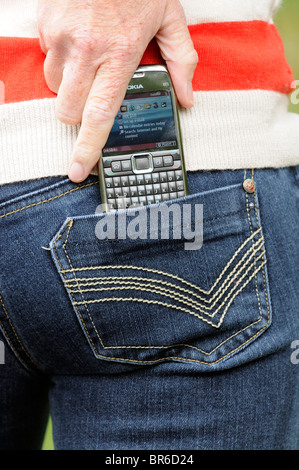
(240, 56)
(232, 56)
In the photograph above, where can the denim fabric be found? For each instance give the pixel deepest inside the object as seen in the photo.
(142, 343)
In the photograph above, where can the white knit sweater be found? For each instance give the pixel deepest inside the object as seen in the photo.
(240, 118)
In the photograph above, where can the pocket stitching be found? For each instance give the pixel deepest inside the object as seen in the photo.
(173, 294)
(63, 272)
(69, 226)
(218, 294)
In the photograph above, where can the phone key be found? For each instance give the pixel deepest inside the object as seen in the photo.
(149, 190)
(164, 188)
(172, 187)
(141, 190)
(177, 165)
(110, 194)
(163, 177)
(126, 165)
(180, 186)
(127, 202)
(124, 181)
(179, 175)
(112, 204)
(158, 162)
(107, 162)
(165, 197)
(168, 160)
(171, 176)
(155, 178)
(133, 191)
(118, 193)
(140, 180)
(116, 166)
(173, 196)
(132, 180)
(135, 202)
(158, 198)
(121, 203)
(150, 200)
(181, 194)
(108, 172)
(148, 179)
(142, 163)
(109, 183)
(157, 188)
(126, 192)
(142, 201)
(116, 182)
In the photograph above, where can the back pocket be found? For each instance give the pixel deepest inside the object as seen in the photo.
(159, 297)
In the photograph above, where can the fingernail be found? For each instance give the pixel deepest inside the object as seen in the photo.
(190, 93)
(76, 172)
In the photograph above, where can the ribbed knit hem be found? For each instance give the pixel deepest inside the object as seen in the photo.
(207, 11)
(224, 130)
(34, 144)
(18, 17)
(240, 129)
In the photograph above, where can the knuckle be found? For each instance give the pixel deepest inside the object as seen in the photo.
(69, 117)
(194, 57)
(190, 57)
(99, 110)
(56, 38)
(85, 41)
(125, 48)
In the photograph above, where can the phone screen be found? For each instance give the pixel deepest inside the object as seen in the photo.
(145, 121)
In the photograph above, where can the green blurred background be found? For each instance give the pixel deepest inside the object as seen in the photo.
(287, 21)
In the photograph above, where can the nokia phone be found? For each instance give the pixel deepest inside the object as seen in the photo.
(142, 162)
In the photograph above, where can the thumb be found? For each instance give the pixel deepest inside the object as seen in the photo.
(177, 49)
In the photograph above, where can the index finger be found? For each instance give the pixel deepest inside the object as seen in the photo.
(104, 100)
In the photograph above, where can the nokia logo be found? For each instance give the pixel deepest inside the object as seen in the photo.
(135, 87)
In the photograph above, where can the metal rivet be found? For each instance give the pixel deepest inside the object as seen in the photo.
(249, 186)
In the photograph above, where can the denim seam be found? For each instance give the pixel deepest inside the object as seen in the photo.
(124, 359)
(47, 200)
(263, 271)
(251, 230)
(28, 195)
(25, 364)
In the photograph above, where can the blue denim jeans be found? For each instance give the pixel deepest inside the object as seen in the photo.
(139, 343)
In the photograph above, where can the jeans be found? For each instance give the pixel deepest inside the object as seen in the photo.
(148, 342)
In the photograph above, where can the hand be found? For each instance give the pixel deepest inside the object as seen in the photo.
(93, 48)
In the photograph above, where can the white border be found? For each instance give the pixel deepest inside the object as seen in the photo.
(224, 130)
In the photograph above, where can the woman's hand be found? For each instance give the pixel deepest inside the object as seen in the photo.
(93, 48)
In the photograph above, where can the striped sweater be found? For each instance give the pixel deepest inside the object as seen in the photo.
(240, 118)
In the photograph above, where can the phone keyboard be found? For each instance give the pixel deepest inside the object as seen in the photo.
(137, 182)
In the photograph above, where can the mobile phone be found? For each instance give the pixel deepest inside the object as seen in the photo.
(142, 162)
